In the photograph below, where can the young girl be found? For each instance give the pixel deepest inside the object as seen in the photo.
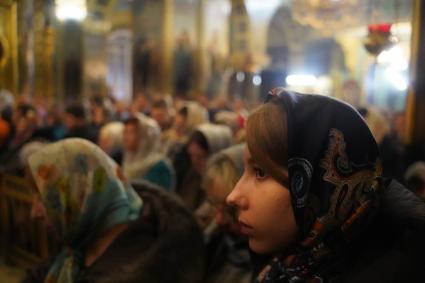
(312, 197)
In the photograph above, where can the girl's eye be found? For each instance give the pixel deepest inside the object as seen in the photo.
(259, 173)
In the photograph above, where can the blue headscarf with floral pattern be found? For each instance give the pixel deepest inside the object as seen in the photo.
(85, 194)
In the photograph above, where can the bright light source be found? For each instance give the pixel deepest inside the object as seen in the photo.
(301, 80)
(256, 80)
(264, 5)
(71, 10)
(393, 57)
(397, 79)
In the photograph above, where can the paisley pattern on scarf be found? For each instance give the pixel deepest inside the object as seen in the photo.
(334, 172)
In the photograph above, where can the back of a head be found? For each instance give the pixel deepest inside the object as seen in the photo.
(223, 171)
(218, 137)
(76, 110)
(415, 177)
(221, 176)
(196, 115)
(113, 132)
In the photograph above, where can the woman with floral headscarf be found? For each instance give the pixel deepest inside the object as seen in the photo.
(313, 201)
(107, 232)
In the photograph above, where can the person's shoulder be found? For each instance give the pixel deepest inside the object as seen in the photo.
(169, 206)
(162, 164)
(393, 249)
(402, 205)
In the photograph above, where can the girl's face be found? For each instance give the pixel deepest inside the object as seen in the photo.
(264, 209)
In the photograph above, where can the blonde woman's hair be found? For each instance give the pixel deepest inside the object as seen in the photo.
(267, 139)
(221, 174)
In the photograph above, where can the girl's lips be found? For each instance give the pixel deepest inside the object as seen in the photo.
(244, 228)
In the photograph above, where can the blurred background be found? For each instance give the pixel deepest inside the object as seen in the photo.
(369, 53)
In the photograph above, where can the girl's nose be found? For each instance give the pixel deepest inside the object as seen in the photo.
(236, 198)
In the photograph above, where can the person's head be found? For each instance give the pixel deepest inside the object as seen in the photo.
(81, 193)
(310, 162)
(223, 172)
(24, 116)
(180, 120)
(111, 137)
(262, 195)
(131, 134)
(189, 117)
(142, 104)
(28, 149)
(230, 119)
(54, 116)
(415, 178)
(198, 150)
(205, 141)
(75, 116)
(100, 115)
(72, 177)
(141, 136)
(161, 113)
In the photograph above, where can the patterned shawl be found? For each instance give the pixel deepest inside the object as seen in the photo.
(334, 178)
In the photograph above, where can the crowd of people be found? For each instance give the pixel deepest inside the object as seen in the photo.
(302, 188)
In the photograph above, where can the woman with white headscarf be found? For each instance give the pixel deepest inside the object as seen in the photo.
(143, 159)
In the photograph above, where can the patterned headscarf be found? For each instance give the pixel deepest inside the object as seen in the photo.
(334, 178)
(85, 194)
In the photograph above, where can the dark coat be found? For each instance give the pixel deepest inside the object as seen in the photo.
(228, 259)
(393, 250)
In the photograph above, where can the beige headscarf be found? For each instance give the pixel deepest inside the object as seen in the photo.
(196, 115)
(113, 131)
(148, 151)
(218, 136)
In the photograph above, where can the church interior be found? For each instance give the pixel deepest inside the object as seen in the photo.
(225, 55)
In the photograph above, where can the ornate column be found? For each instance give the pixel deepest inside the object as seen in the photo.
(70, 61)
(415, 110)
(240, 33)
(200, 47)
(8, 46)
(167, 45)
(44, 38)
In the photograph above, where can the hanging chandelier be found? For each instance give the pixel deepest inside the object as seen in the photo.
(379, 38)
(329, 15)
